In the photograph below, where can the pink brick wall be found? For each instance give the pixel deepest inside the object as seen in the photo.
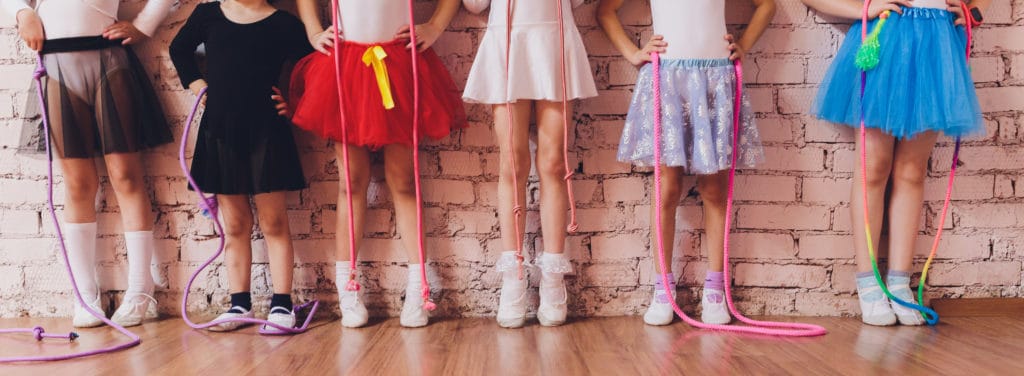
(793, 252)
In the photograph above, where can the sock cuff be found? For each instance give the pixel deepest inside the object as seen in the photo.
(658, 279)
(897, 273)
(865, 274)
(342, 266)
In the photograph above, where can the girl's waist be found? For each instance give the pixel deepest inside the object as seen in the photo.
(77, 44)
(934, 4)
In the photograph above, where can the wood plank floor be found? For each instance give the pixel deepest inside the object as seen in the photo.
(598, 346)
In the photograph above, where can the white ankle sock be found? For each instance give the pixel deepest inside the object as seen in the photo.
(414, 281)
(342, 271)
(80, 239)
(140, 246)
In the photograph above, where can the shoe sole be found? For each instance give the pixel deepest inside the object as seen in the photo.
(512, 323)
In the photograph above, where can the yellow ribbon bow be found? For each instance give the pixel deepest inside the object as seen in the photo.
(375, 56)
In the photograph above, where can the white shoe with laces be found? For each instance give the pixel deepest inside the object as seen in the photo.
(660, 311)
(413, 313)
(282, 317)
(135, 308)
(905, 315)
(874, 306)
(353, 312)
(84, 319)
(235, 312)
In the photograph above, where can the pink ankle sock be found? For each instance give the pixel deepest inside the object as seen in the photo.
(715, 281)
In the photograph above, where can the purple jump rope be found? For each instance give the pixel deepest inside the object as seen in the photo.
(209, 206)
(38, 332)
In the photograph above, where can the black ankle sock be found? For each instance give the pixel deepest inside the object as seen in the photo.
(241, 299)
(281, 300)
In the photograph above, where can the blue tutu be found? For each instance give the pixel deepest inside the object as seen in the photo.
(922, 82)
(697, 98)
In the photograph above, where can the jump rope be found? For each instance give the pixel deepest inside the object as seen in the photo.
(868, 58)
(38, 332)
(353, 283)
(517, 208)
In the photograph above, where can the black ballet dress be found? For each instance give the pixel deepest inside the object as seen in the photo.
(243, 146)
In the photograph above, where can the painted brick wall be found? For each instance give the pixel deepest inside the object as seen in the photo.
(792, 243)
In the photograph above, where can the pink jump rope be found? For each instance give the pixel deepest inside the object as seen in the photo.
(353, 284)
(209, 207)
(38, 332)
(867, 59)
(773, 328)
(517, 208)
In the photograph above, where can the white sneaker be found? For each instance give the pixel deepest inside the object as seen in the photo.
(84, 319)
(135, 308)
(353, 312)
(512, 303)
(874, 307)
(714, 310)
(282, 317)
(413, 313)
(229, 326)
(906, 316)
(553, 307)
(660, 311)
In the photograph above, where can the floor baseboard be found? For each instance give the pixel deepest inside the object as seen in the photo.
(979, 307)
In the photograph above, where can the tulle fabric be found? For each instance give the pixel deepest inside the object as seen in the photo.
(697, 97)
(369, 124)
(922, 82)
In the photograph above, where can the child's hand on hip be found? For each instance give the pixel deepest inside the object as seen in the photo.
(197, 87)
(954, 7)
(124, 30)
(879, 6)
(736, 51)
(30, 29)
(641, 57)
(426, 35)
(281, 105)
(324, 40)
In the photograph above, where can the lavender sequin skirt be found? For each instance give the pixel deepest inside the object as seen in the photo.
(697, 118)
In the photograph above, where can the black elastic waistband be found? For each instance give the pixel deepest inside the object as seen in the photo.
(76, 44)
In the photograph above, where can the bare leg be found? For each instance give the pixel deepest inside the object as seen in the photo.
(273, 216)
(521, 149)
(238, 247)
(879, 166)
(82, 183)
(359, 160)
(713, 192)
(905, 203)
(399, 172)
(554, 201)
(671, 192)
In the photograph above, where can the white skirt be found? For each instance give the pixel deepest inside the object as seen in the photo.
(535, 70)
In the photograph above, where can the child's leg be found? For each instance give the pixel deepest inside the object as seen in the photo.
(554, 204)
(521, 149)
(273, 215)
(81, 184)
(660, 310)
(353, 312)
(238, 222)
(909, 169)
(714, 194)
(875, 309)
(126, 175)
(512, 301)
(400, 175)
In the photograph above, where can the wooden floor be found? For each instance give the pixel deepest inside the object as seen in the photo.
(600, 346)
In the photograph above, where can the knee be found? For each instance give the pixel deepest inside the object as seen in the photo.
(712, 191)
(274, 225)
(878, 170)
(359, 182)
(126, 182)
(80, 189)
(238, 228)
(910, 173)
(670, 195)
(401, 186)
(551, 167)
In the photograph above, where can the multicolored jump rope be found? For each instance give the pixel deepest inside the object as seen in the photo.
(517, 208)
(38, 332)
(353, 284)
(209, 209)
(773, 328)
(867, 59)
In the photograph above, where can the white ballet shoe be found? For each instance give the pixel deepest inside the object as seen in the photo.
(353, 312)
(874, 307)
(230, 326)
(282, 317)
(553, 303)
(906, 316)
(714, 309)
(512, 303)
(413, 313)
(135, 308)
(660, 311)
(84, 319)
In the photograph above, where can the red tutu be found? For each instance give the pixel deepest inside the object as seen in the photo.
(369, 123)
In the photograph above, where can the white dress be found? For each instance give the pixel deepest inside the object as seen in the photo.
(77, 18)
(693, 29)
(535, 70)
(372, 21)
